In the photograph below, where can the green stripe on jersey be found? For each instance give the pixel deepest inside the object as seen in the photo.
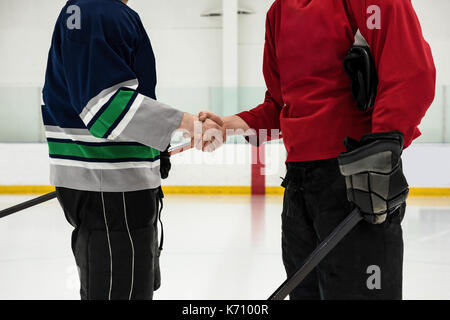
(112, 112)
(102, 152)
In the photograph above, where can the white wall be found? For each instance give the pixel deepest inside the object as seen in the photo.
(433, 15)
(188, 47)
(426, 165)
(189, 56)
(25, 32)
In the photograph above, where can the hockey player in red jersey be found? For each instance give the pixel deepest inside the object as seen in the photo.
(309, 100)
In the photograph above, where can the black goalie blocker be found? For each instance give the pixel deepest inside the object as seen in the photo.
(374, 176)
(361, 69)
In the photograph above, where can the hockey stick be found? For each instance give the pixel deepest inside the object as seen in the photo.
(318, 255)
(179, 149)
(52, 195)
(28, 204)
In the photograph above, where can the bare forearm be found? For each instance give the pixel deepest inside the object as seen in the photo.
(187, 123)
(235, 125)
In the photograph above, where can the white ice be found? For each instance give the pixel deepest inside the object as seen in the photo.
(216, 247)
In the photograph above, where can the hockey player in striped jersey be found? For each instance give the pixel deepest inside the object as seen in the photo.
(106, 135)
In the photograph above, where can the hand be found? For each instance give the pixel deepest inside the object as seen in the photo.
(232, 125)
(188, 124)
(213, 133)
(204, 115)
(206, 135)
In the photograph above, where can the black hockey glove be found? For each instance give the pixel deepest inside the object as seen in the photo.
(361, 69)
(165, 164)
(373, 173)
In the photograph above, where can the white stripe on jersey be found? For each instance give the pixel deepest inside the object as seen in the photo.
(126, 120)
(96, 103)
(104, 165)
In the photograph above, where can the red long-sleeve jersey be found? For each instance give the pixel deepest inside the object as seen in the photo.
(308, 92)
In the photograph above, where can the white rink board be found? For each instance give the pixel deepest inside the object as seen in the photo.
(426, 165)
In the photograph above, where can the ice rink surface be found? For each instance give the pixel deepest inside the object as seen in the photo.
(216, 247)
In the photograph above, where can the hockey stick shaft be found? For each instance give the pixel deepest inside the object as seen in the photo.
(28, 204)
(179, 149)
(52, 195)
(318, 255)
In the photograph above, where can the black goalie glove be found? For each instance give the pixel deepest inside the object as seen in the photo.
(165, 164)
(374, 176)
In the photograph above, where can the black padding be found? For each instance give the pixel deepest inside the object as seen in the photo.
(379, 204)
(361, 182)
(397, 182)
(363, 199)
(379, 184)
(379, 150)
(399, 200)
(374, 175)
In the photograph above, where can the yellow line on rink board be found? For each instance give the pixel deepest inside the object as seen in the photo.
(275, 191)
(245, 190)
(429, 192)
(230, 190)
(211, 190)
(26, 189)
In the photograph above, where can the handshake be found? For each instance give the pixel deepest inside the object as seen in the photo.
(208, 131)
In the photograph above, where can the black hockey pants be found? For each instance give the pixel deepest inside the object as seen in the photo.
(115, 242)
(367, 264)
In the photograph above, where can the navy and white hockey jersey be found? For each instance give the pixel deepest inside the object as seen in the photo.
(104, 127)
